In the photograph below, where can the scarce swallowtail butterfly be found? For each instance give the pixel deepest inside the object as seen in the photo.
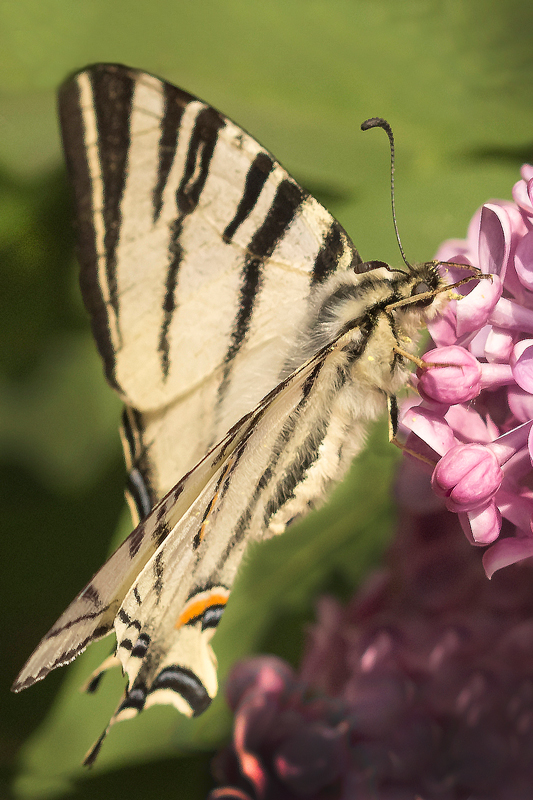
(250, 345)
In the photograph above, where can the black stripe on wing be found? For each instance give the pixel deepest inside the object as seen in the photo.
(184, 682)
(256, 178)
(201, 148)
(241, 527)
(327, 260)
(139, 489)
(113, 128)
(112, 89)
(175, 101)
(287, 200)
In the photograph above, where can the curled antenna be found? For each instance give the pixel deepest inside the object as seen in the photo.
(378, 122)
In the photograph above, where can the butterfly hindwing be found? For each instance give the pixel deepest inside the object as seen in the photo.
(92, 613)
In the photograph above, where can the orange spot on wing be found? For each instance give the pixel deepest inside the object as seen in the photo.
(197, 606)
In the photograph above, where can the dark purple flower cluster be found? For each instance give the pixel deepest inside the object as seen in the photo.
(421, 689)
(475, 415)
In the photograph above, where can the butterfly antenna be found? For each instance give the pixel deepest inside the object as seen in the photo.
(379, 122)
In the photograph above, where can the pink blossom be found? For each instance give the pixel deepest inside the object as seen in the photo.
(475, 414)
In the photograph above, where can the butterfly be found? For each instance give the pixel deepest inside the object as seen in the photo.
(250, 345)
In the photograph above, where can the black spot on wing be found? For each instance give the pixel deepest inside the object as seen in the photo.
(135, 698)
(212, 616)
(141, 646)
(186, 683)
(255, 180)
(160, 532)
(125, 618)
(92, 594)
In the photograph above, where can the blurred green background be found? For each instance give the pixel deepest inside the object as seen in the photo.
(454, 79)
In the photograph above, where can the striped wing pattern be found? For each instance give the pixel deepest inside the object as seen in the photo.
(164, 589)
(235, 318)
(197, 254)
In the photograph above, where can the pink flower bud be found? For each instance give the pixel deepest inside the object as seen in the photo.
(456, 383)
(467, 477)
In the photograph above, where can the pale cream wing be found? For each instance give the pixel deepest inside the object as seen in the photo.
(198, 253)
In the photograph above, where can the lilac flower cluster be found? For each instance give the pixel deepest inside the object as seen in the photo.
(475, 415)
(420, 688)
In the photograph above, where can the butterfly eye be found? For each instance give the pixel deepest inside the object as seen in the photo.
(422, 288)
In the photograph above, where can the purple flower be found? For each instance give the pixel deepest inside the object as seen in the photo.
(420, 688)
(286, 744)
(475, 415)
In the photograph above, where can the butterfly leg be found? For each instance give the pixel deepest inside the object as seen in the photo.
(419, 361)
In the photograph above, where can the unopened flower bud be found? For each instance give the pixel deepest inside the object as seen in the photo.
(467, 477)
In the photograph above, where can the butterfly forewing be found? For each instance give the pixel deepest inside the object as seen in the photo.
(197, 253)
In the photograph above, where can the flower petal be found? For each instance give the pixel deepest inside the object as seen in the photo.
(474, 309)
(485, 523)
(431, 427)
(505, 552)
(523, 261)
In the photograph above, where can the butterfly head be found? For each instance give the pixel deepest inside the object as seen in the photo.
(419, 292)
